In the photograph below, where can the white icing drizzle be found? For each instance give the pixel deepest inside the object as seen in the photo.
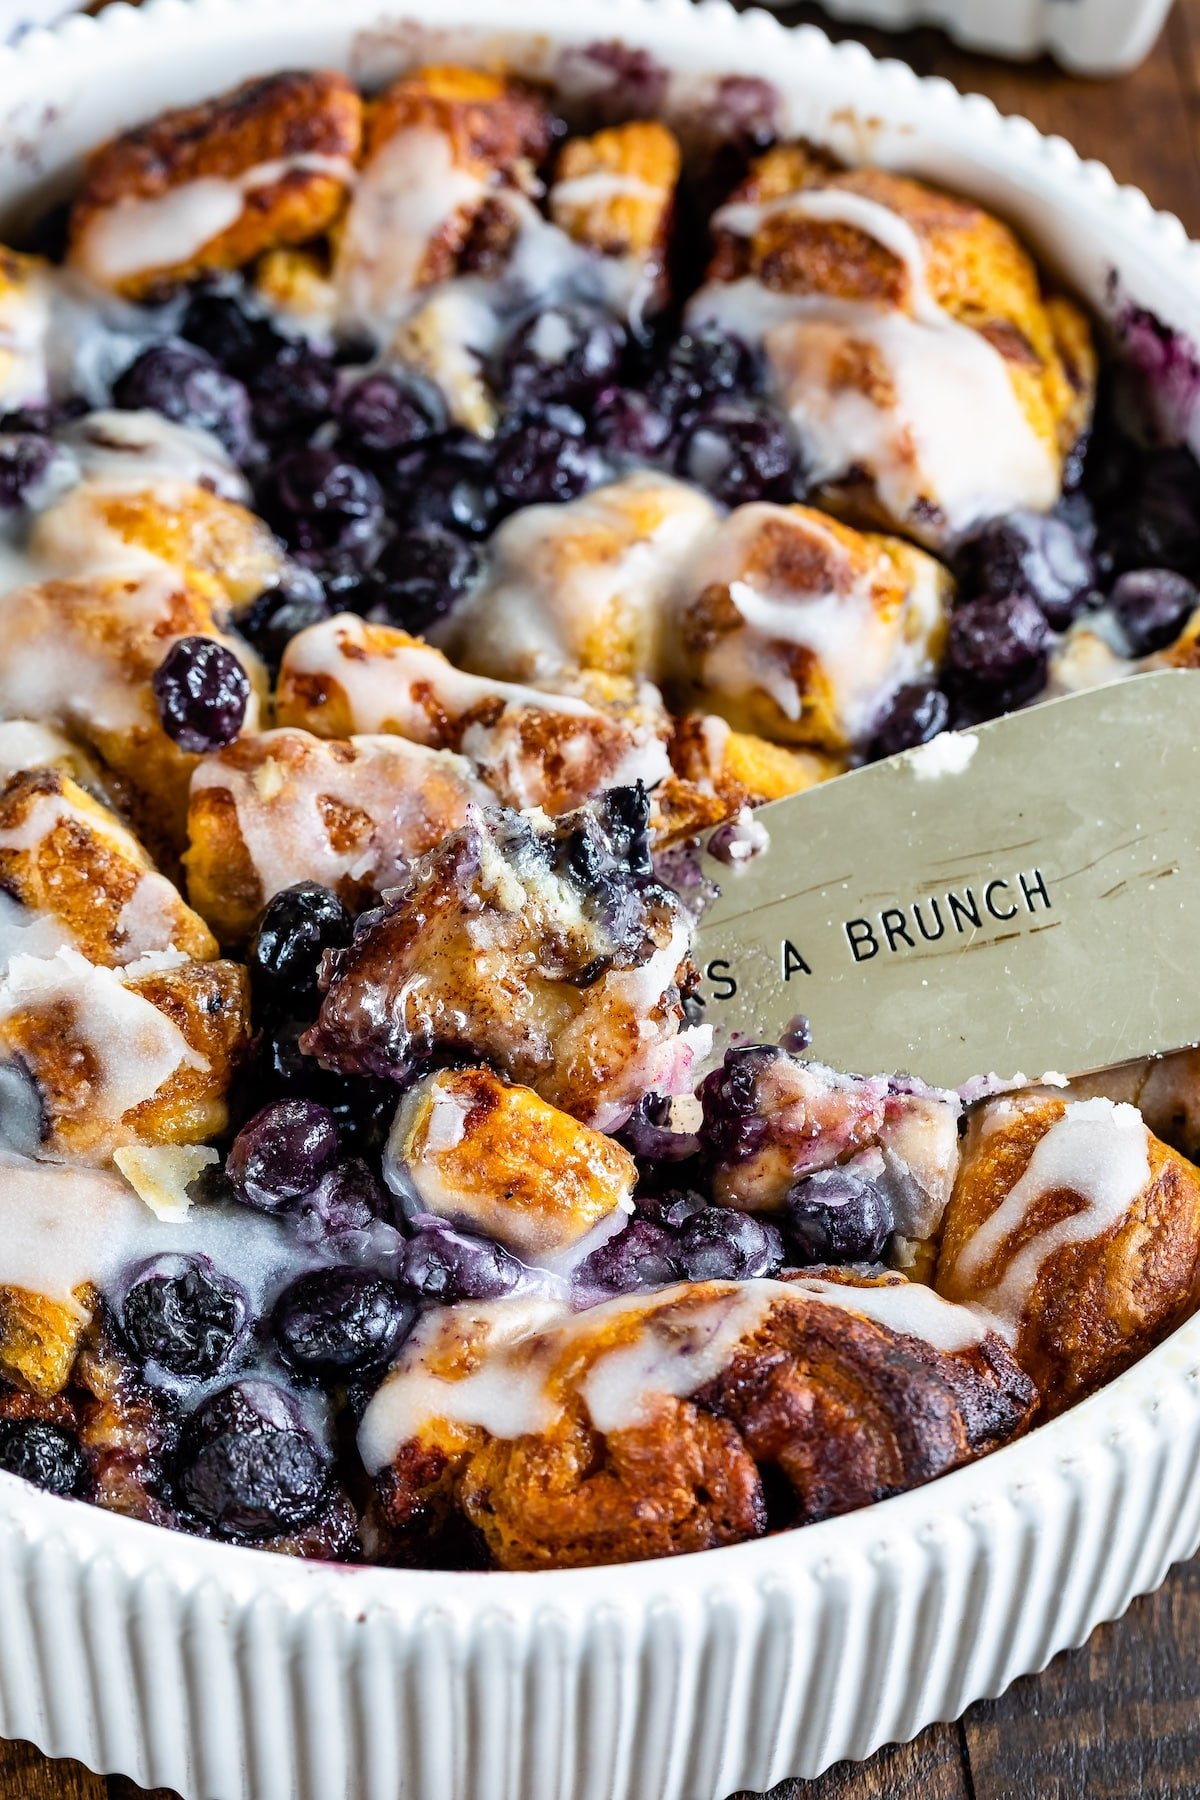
(166, 230)
(28, 744)
(926, 443)
(149, 918)
(135, 1047)
(408, 192)
(509, 1354)
(1097, 1150)
(63, 1226)
(584, 584)
(412, 797)
(862, 656)
(136, 450)
(599, 186)
(26, 933)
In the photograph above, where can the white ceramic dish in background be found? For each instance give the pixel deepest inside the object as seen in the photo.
(19, 16)
(231, 1675)
(1093, 37)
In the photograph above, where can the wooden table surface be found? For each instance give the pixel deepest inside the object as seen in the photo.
(1119, 1718)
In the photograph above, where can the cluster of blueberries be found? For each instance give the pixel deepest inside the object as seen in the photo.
(384, 504)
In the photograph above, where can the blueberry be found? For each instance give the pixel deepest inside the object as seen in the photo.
(25, 461)
(272, 621)
(1034, 554)
(420, 575)
(627, 424)
(450, 485)
(999, 645)
(444, 1265)
(641, 1256)
(246, 1464)
(339, 1325)
(914, 714)
(281, 1153)
(319, 500)
(837, 1216)
(540, 462)
(296, 928)
(44, 1454)
(383, 413)
(1158, 524)
(201, 691)
(178, 1312)
(566, 352)
(700, 367)
(347, 1200)
(737, 453)
(293, 392)
(222, 328)
(1153, 606)
(672, 1208)
(648, 1132)
(722, 1244)
(187, 386)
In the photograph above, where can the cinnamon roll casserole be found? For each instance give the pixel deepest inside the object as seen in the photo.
(420, 511)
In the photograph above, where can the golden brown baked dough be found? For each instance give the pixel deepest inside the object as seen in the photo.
(1079, 1301)
(109, 635)
(847, 1409)
(67, 857)
(799, 629)
(299, 132)
(976, 271)
(533, 748)
(283, 806)
(125, 1057)
(494, 1158)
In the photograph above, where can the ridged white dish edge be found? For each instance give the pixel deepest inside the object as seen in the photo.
(1094, 37)
(231, 1675)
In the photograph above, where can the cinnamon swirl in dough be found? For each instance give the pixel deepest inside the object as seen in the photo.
(639, 1428)
(1077, 1231)
(894, 319)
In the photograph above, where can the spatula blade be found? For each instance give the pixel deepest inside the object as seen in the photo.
(1021, 898)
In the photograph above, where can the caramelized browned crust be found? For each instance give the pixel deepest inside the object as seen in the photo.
(627, 209)
(83, 868)
(1095, 1306)
(275, 119)
(851, 1412)
(846, 1409)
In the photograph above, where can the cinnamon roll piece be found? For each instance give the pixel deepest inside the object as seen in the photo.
(641, 1427)
(209, 187)
(585, 585)
(283, 806)
(78, 876)
(893, 318)
(534, 748)
(794, 627)
(446, 149)
(142, 1055)
(1077, 1231)
(545, 948)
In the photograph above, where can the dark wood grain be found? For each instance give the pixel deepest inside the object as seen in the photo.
(1119, 1719)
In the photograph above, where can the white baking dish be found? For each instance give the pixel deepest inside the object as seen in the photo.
(1094, 37)
(232, 1675)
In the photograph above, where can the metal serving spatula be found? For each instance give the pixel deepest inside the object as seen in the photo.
(1021, 898)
